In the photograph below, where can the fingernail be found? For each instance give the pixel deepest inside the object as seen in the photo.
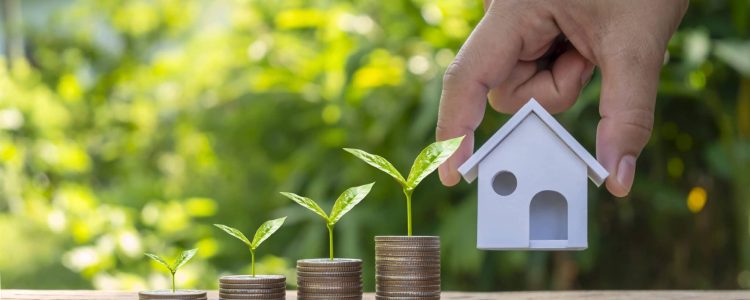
(586, 75)
(626, 171)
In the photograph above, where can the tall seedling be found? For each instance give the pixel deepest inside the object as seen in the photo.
(343, 205)
(426, 162)
(185, 256)
(264, 231)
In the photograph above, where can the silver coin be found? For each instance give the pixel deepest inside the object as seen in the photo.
(378, 297)
(303, 296)
(325, 262)
(407, 274)
(334, 275)
(406, 247)
(331, 288)
(413, 283)
(326, 288)
(407, 261)
(168, 294)
(328, 281)
(405, 288)
(401, 255)
(399, 238)
(400, 287)
(329, 285)
(414, 250)
(318, 291)
(167, 297)
(407, 256)
(380, 278)
(407, 278)
(412, 243)
(331, 293)
(252, 291)
(243, 279)
(334, 269)
(422, 255)
(329, 297)
(382, 258)
(394, 267)
(251, 296)
(271, 285)
(329, 278)
(329, 274)
(410, 267)
(409, 294)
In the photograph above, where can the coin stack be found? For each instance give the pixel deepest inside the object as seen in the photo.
(168, 294)
(322, 278)
(407, 267)
(252, 287)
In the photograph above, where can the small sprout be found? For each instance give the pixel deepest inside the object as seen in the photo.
(179, 262)
(343, 205)
(264, 231)
(426, 162)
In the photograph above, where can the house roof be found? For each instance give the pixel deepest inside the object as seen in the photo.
(596, 171)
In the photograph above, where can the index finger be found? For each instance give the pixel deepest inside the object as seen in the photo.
(484, 61)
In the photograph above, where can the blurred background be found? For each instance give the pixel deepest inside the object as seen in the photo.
(132, 126)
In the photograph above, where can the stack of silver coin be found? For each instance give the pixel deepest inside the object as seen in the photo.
(168, 294)
(252, 287)
(322, 278)
(407, 267)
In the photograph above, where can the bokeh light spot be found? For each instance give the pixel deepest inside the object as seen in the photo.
(331, 114)
(696, 199)
(675, 167)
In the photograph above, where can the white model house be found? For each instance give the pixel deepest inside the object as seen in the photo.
(532, 185)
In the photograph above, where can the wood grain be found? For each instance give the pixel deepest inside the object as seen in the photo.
(291, 295)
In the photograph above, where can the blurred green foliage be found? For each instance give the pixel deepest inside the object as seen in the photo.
(131, 126)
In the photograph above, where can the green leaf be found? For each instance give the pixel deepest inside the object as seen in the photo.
(160, 260)
(234, 232)
(378, 162)
(348, 200)
(265, 231)
(430, 159)
(307, 203)
(734, 53)
(184, 258)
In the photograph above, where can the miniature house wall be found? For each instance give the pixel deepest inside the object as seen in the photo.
(532, 185)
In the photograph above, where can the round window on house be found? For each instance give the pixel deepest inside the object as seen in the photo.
(504, 183)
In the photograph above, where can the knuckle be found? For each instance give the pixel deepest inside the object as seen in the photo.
(643, 52)
(444, 131)
(638, 121)
(454, 72)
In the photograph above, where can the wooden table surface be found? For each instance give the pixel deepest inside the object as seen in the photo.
(291, 295)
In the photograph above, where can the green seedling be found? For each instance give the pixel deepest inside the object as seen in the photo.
(264, 231)
(343, 205)
(426, 162)
(179, 262)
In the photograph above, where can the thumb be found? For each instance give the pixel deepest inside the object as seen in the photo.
(629, 86)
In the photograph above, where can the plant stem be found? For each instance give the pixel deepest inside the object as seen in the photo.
(330, 240)
(408, 192)
(252, 262)
(173, 287)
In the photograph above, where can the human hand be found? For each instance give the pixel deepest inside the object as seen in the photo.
(626, 39)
